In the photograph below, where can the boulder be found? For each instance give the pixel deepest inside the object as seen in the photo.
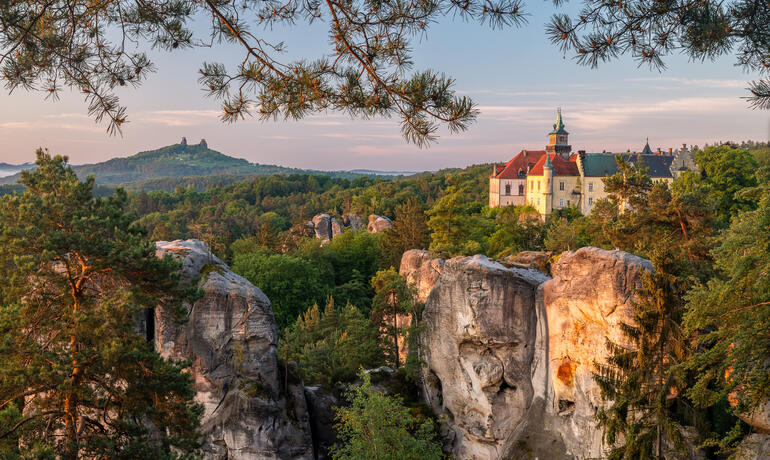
(230, 338)
(422, 269)
(531, 259)
(755, 446)
(378, 223)
(479, 347)
(759, 418)
(353, 221)
(337, 229)
(321, 403)
(322, 225)
(586, 301)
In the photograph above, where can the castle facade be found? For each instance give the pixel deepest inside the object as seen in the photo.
(556, 177)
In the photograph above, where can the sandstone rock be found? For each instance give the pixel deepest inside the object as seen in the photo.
(759, 418)
(322, 224)
(230, 338)
(378, 223)
(755, 446)
(321, 405)
(531, 259)
(337, 229)
(585, 302)
(353, 221)
(421, 268)
(479, 347)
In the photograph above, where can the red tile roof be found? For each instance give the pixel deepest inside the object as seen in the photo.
(561, 167)
(523, 161)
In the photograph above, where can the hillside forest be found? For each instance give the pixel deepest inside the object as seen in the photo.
(702, 319)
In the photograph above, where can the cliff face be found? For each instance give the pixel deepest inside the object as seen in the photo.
(230, 338)
(509, 352)
(480, 346)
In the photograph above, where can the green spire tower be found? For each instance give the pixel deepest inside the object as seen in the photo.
(558, 139)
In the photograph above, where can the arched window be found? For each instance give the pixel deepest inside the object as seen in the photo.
(521, 189)
(507, 189)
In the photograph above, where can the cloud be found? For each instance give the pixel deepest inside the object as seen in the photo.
(692, 82)
(178, 117)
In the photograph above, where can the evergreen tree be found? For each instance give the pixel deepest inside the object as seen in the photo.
(409, 231)
(456, 222)
(641, 381)
(330, 346)
(393, 299)
(730, 317)
(76, 379)
(378, 427)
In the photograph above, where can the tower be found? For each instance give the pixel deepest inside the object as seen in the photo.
(548, 178)
(558, 139)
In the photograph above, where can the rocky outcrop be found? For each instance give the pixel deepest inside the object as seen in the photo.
(480, 347)
(509, 352)
(378, 223)
(421, 269)
(337, 229)
(353, 221)
(755, 446)
(531, 259)
(322, 225)
(759, 418)
(585, 303)
(230, 338)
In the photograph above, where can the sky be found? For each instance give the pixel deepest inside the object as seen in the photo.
(517, 78)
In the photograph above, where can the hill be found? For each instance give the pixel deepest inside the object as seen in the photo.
(177, 164)
(9, 169)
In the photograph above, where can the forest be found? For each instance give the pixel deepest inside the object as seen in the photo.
(701, 322)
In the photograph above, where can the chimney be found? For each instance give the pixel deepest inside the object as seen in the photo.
(184, 141)
(670, 151)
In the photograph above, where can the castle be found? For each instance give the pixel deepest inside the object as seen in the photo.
(556, 178)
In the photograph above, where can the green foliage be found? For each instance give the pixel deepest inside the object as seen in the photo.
(393, 300)
(76, 380)
(517, 228)
(456, 222)
(378, 427)
(291, 282)
(331, 346)
(726, 172)
(641, 381)
(730, 316)
(409, 231)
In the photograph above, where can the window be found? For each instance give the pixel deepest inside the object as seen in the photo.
(507, 189)
(521, 189)
(567, 202)
(561, 185)
(538, 186)
(590, 186)
(538, 201)
(561, 202)
(590, 201)
(531, 184)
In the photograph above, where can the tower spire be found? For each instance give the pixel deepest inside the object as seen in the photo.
(647, 150)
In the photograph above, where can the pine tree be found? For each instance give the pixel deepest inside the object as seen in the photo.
(76, 379)
(410, 231)
(641, 381)
(393, 299)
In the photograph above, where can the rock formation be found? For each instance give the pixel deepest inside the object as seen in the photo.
(337, 229)
(422, 269)
(585, 302)
(531, 259)
(204, 144)
(480, 346)
(378, 223)
(322, 224)
(183, 141)
(230, 338)
(509, 352)
(353, 221)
